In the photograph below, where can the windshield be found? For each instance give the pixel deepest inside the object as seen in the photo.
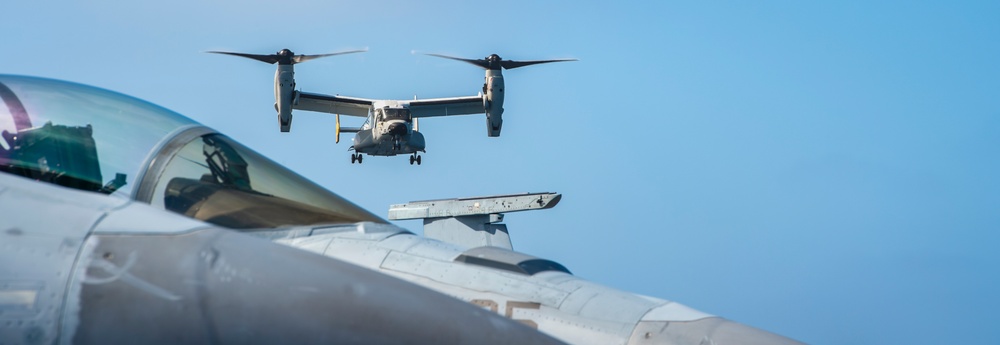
(402, 114)
(78, 136)
(91, 139)
(215, 179)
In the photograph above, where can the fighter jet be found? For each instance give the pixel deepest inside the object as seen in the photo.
(82, 262)
(174, 164)
(468, 254)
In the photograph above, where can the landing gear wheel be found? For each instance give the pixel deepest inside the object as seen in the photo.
(354, 158)
(360, 156)
(412, 159)
(418, 160)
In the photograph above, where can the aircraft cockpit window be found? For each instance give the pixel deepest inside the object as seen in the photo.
(217, 180)
(91, 139)
(62, 155)
(78, 136)
(394, 114)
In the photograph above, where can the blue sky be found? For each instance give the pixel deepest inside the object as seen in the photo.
(826, 171)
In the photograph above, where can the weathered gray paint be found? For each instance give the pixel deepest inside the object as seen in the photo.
(485, 205)
(562, 305)
(38, 248)
(714, 330)
(471, 222)
(468, 231)
(85, 268)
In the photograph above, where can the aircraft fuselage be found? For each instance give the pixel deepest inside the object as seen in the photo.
(539, 293)
(389, 131)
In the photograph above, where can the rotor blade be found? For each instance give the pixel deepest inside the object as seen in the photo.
(271, 59)
(477, 62)
(509, 64)
(304, 58)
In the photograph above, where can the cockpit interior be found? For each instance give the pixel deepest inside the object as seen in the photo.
(95, 140)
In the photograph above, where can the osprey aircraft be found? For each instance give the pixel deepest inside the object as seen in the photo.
(169, 231)
(392, 126)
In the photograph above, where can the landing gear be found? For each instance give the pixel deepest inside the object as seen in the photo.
(414, 158)
(356, 157)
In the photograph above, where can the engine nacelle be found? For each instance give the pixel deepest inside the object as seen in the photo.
(284, 89)
(493, 91)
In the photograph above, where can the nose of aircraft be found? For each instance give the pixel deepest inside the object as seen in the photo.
(216, 286)
(397, 128)
(712, 330)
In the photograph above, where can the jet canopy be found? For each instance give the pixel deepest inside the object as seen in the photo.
(95, 140)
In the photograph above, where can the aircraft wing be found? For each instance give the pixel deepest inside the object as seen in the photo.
(447, 106)
(332, 104)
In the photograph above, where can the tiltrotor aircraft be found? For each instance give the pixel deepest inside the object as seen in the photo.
(392, 126)
(129, 256)
(83, 262)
